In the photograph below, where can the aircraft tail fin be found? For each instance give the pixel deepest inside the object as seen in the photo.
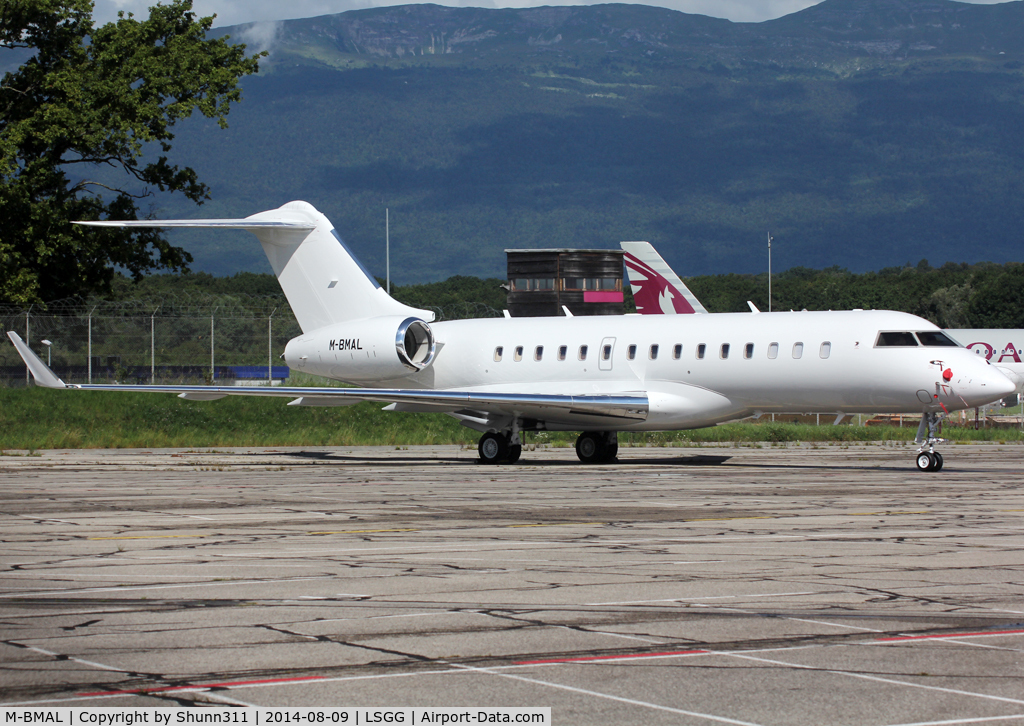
(323, 281)
(40, 371)
(657, 289)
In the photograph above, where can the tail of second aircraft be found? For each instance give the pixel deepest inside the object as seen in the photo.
(656, 288)
(322, 279)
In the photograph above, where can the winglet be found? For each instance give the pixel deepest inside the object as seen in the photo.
(43, 375)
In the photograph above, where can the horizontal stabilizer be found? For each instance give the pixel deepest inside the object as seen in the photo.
(250, 224)
(324, 282)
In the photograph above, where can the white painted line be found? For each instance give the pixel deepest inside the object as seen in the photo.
(608, 696)
(833, 625)
(71, 591)
(980, 719)
(51, 654)
(863, 676)
(613, 635)
(695, 599)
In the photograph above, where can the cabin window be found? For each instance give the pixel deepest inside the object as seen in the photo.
(606, 352)
(562, 350)
(825, 349)
(700, 351)
(631, 352)
(748, 351)
(497, 353)
(538, 352)
(724, 352)
(773, 350)
(936, 338)
(798, 350)
(677, 351)
(583, 352)
(519, 353)
(572, 283)
(653, 354)
(890, 339)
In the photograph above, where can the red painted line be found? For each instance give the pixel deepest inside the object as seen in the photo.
(949, 635)
(205, 685)
(584, 659)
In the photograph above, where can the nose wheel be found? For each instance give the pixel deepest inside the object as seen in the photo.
(928, 459)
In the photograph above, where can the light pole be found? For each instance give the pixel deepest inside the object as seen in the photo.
(47, 344)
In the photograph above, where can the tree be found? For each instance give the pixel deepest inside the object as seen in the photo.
(91, 97)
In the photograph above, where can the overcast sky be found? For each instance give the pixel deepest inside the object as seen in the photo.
(232, 12)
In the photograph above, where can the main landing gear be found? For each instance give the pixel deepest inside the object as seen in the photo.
(597, 447)
(505, 447)
(497, 448)
(928, 459)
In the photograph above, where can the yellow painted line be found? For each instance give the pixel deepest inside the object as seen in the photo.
(558, 524)
(875, 514)
(363, 531)
(157, 536)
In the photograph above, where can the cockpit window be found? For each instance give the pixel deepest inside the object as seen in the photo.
(889, 339)
(936, 338)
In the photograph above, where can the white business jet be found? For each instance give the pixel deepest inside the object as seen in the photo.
(600, 374)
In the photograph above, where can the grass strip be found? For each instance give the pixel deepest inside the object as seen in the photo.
(38, 418)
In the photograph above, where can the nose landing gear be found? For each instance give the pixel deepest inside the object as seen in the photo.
(928, 459)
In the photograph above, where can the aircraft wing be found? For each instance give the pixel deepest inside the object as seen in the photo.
(570, 409)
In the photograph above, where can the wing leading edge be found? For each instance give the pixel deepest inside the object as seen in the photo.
(550, 407)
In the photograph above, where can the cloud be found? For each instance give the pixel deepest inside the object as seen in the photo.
(260, 36)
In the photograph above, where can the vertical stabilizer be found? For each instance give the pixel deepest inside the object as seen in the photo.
(323, 281)
(657, 289)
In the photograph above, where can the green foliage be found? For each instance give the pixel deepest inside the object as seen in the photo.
(38, 418)
(92, 96)
(984, 295)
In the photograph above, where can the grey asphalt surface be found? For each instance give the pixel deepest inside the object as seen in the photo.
(775, 585)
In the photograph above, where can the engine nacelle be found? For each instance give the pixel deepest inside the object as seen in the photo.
(375, 349)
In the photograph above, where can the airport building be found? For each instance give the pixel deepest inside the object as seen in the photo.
(587, 282)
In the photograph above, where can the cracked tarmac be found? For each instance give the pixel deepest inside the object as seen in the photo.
(783, 585)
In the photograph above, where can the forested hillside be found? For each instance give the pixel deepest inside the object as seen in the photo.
(862, 134)
(952, 296)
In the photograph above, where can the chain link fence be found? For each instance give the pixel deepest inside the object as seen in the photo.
(176, 339)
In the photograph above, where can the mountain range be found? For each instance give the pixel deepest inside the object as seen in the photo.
(861, 134)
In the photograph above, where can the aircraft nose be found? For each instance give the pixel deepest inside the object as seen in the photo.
(1003, 383)
(988, 384)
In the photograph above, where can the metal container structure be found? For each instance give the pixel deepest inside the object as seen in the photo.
(588, 282)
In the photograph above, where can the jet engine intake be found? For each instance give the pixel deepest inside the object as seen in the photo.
(415, 344)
